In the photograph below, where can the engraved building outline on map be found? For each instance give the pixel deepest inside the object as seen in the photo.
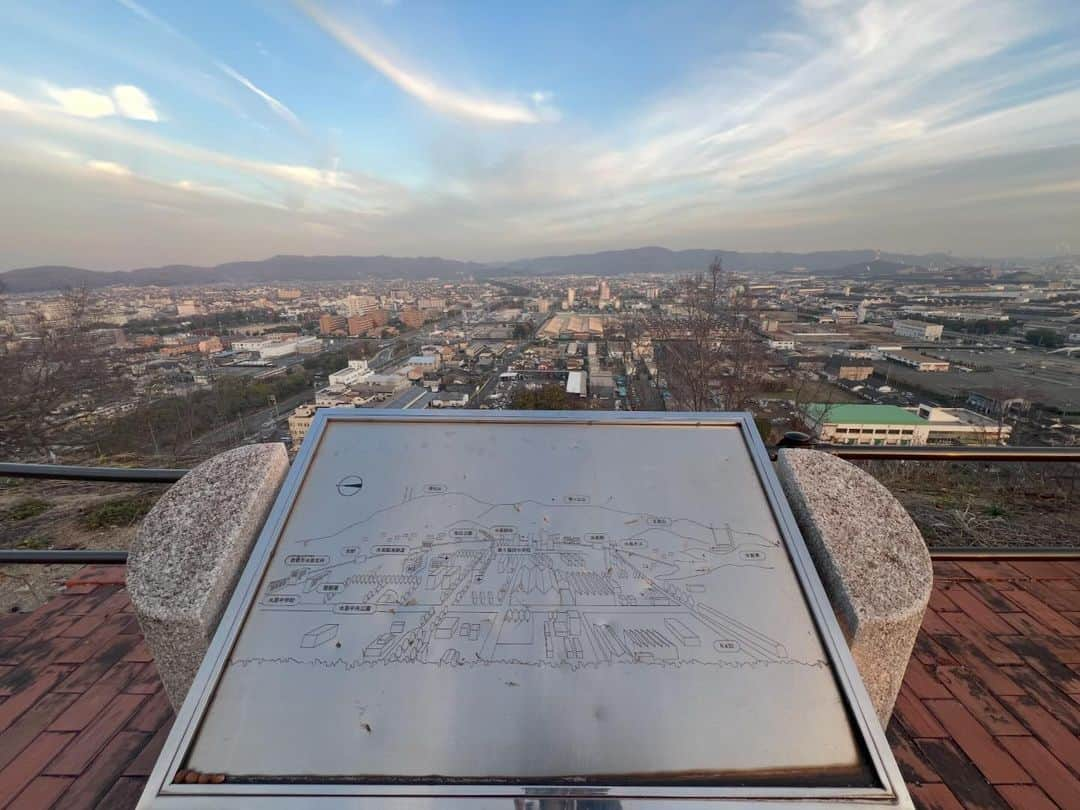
(447, 578)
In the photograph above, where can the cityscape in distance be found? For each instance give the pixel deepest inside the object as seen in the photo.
(976, 352)
(154, 368)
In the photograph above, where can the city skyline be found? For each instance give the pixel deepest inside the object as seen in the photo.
(614, 262)
(151, 133)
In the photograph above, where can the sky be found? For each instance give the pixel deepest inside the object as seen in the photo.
(136, 133)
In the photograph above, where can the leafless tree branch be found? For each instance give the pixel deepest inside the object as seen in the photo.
(707, 349)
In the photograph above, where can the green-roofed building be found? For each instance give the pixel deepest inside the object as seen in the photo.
(867, 424)
(893, 425)
(865, 414)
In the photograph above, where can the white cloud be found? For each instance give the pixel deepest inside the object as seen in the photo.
(132, 102)
(83, 103)
(108, 167)
(421, 87)
(135, 8)
(125, 100)
(361, 193)
(902, 123)
(874, 90)
(279, 109)
(11, 103)
(208, 190)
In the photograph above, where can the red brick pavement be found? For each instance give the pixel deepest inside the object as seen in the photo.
(988, 716)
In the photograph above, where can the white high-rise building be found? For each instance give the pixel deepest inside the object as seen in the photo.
(361, 304)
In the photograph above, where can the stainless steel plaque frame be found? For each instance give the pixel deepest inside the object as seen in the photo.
(161, 791)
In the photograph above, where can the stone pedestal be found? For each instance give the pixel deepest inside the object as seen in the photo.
(193, 545)
(871, 559)
(190, 550)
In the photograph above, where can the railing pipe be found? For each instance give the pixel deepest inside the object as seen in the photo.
(67, 472)
(168, 476)
(951, 453)
(1041, 553)
(55, 556)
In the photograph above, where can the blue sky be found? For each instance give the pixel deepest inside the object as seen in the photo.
(138, 132)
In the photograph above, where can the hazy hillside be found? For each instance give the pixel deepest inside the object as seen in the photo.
(662, 260)
(284, 269)
(273, 270)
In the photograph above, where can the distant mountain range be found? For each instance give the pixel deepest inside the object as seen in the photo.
(285, 269)
(662, 260)
(272, 270)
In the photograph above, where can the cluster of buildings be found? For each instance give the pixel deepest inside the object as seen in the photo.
(926, 356)
(950, 349)
(948, 339)
(174, 341)
(499, 346)
(439, 375)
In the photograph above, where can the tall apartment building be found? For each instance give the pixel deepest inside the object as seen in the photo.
(360, 325)
(361, 304)
(333, 324)
(411, 318)
(431, 303)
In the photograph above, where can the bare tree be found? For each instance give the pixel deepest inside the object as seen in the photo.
(52, 376)
(809, 411)
(706, 345)
(1002, 403)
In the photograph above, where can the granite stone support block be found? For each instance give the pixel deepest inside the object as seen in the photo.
(190, 550)
(872, 560)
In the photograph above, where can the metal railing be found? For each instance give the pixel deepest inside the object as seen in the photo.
(949, 453)
(65, 472)
(136, 475)
(971, 553)
(64, 556)
(796, 440)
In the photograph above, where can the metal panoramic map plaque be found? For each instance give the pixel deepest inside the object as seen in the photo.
(479, 608)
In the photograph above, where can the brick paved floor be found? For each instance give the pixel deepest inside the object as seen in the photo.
(988, 717)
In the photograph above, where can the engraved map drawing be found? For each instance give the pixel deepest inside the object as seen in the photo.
(502, 585)
(451, 578)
